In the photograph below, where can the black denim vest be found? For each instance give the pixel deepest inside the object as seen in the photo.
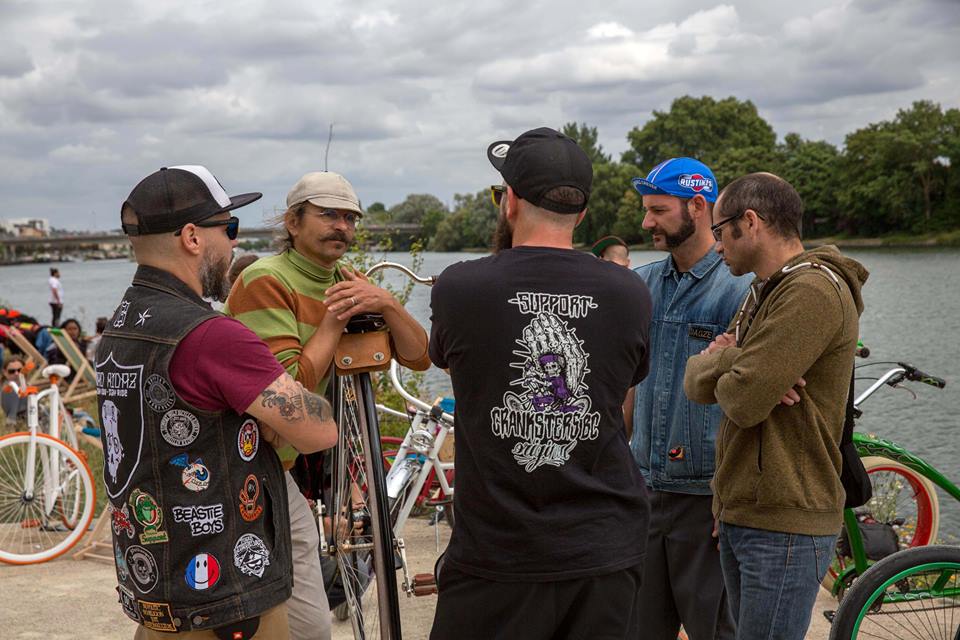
(198, 502)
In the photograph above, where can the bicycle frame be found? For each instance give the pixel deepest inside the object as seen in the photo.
(33, 423)
(868, 445)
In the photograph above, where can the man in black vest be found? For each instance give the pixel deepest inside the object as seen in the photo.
(187, 398)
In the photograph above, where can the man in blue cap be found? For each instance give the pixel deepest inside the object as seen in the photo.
(694, 298)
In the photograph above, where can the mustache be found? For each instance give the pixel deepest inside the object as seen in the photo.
(336, 235)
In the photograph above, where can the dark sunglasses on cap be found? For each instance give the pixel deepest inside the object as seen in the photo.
(496, 193)
(232, 225)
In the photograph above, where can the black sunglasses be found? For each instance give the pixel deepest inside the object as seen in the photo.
(717, 229)
(232, 225)
(15, 370)
(496, 193)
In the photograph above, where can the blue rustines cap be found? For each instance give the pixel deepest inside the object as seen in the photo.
(680, 177)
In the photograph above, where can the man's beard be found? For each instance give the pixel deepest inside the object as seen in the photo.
(502, 235)
(213, 277)
(687, 229)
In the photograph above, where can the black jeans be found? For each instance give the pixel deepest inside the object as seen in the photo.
(57, 308)
(601, 607)
(682, 580)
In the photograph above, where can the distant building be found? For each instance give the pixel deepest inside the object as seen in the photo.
(25, 227)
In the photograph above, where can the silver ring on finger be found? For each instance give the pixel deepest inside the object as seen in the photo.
(353, 301)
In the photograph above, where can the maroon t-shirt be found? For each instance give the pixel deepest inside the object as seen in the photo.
(222, 365)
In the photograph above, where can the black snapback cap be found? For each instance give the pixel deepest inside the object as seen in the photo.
(541, 160)
(170, 198)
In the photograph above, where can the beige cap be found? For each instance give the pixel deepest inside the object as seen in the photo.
(325, 189)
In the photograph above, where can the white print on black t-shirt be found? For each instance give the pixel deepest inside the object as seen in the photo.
(552, 413)
(560, 304)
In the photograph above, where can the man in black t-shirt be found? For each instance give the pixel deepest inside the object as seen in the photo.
(542, 343)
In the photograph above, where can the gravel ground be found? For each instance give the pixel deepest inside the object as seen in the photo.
(76, 600)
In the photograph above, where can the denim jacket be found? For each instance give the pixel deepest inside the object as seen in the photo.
(673, 438)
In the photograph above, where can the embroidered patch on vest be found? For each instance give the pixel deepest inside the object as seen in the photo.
(203, 572)
(121, 318)
(195, 476)
(248, 440)
(120, 519)
(251, 556)
(129, 603)
(203, 519)
(122, 571)
(147, 512)
(157, 616)
(677, 453)
(701, 333)
(179, 428)
(120, 393)
(249, 509)
(143, 568)
(159, 394)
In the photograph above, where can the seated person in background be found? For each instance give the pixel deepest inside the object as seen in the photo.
(13, 405)
(91, 350)
(71, 327)
(612, 249)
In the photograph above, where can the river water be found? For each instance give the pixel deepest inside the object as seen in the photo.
(912, 314)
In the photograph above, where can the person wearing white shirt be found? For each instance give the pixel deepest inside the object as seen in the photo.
(56, 296)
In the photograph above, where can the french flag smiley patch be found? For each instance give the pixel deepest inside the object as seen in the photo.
(203, 572)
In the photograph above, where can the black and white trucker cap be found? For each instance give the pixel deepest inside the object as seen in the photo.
(172, 197)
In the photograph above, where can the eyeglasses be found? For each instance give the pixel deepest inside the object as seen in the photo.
(232, 226)
(13, 371)
(717, 229)
(332, 216)
(496, 193)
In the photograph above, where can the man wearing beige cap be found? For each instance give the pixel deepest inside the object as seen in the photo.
(299, 302)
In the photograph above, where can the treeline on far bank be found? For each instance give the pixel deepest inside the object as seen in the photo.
(900, 176)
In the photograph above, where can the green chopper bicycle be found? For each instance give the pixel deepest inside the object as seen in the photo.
(904, 511)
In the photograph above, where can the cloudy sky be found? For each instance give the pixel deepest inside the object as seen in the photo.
(94, 95)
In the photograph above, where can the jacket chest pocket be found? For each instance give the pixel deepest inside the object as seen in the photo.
(689, 450)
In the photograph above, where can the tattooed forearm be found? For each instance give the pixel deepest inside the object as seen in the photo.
(317, 406)
(288, 400)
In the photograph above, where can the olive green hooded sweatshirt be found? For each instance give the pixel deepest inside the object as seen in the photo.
(778, 466)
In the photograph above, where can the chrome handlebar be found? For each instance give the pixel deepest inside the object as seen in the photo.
(428, 280)
(394, 366)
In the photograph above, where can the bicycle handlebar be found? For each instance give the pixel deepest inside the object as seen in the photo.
(914, 374)
(427, 280)
(412, 399)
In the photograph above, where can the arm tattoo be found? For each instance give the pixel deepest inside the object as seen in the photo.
(294, 402)
(288, 400)
(317, 406)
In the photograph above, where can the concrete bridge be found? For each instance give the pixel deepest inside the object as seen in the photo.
(12, 248)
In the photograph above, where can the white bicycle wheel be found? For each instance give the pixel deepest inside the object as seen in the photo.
(32, 527)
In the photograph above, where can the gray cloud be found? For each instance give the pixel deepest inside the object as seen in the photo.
(95, 95)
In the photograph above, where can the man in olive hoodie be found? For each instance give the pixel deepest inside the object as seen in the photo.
(781, 375)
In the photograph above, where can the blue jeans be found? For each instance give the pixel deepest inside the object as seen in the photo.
(772, 579)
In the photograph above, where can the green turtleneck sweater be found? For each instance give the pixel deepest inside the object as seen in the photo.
(280, 298)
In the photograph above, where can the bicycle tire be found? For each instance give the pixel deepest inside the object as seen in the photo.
(364, 544)
(886, 602)
(28, 533)
(898, 492)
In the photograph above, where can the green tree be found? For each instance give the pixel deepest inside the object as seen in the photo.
(812, 168)
(377, 214)
(704, 128)
(415, 207)
(470, 226)
(611, 183)
(895, 173)
(629, 223)
(586, 137)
